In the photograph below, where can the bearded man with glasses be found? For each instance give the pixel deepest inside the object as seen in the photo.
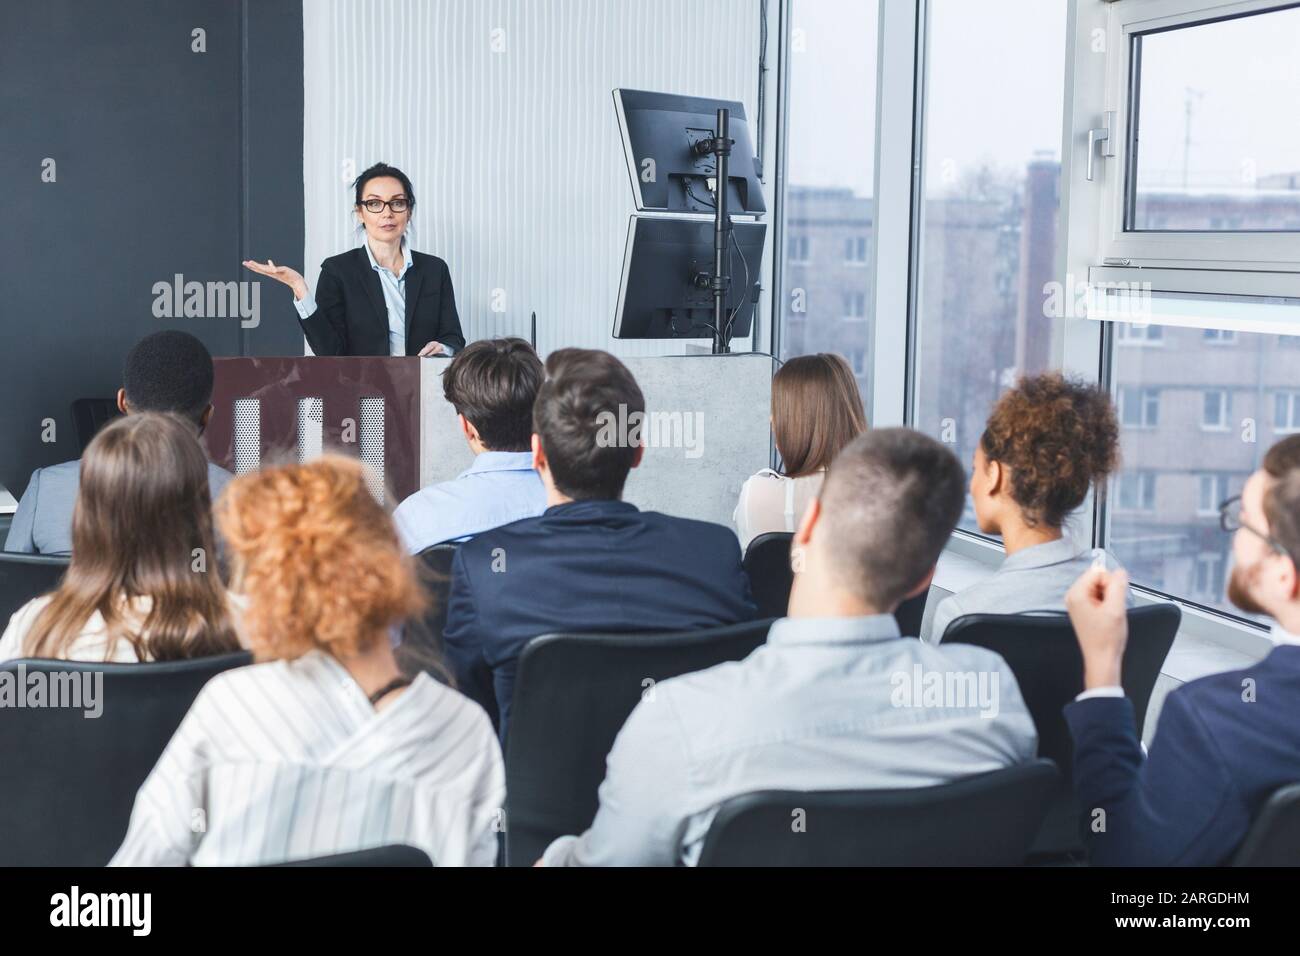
(1225, 742)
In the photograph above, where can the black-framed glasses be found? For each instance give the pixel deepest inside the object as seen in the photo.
(1230, 521)
(400, 204)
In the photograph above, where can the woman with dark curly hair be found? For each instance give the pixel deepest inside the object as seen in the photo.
(1048, 441)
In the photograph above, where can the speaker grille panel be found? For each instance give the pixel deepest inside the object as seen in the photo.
(371, 441)
(248, 435)
(311, 428)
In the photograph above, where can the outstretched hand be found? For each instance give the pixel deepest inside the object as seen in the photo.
(284, 274)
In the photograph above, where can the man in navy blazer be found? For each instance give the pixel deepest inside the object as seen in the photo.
(1224, 743)
(591, 562)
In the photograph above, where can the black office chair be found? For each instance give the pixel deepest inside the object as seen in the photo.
(89, 415)
(985, 820)
(1274, 837)
(69, 781)
(397, 854)
(573, 693)
(767, 564)
(435, 575)
(1043, 653)
(25, 576)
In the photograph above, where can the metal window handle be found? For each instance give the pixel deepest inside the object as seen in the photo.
(1102, 136)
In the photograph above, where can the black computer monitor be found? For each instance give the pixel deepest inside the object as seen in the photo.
(660, 131)
(664, 293)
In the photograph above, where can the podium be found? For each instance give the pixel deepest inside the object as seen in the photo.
(706, 426)
(283, 409)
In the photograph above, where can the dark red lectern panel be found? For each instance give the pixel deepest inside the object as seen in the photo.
(279, 384)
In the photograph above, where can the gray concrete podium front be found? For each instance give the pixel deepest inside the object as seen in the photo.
(706, 429)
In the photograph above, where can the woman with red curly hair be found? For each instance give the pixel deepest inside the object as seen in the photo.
(1048, 441)
(324, 745)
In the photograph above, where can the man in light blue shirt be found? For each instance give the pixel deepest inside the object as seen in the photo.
(492, 384)
(836, 699)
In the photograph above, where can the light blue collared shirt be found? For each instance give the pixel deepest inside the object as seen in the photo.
(825, 704)
(500, 487)
(1033, 579)
(394, 287)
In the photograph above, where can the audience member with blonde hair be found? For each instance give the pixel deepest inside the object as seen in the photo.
(323, 746)
(143, 582)
(816, 411)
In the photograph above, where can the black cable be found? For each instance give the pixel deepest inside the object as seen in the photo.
(691, 193)
(745, 292)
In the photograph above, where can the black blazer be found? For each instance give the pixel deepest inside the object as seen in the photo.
(1213, 763)
(351, 317)
(583, 567)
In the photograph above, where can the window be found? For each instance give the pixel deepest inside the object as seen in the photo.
(1161, 530)
(1137, 491)
(857, 358)
(855, 306)
(1286, 412)
(828, 203)
(1213, 492)
(1209, 583)
(989, 209)
(1193, 170)
(1139, 407)
(1219, 336)
(1215, 409)
(1210, 150)
(1133, 333)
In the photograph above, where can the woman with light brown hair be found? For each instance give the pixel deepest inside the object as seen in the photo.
(324, 745)
(816, 411)
(143, 583)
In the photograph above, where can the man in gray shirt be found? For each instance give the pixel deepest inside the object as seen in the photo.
(836, 699)
(167, 371)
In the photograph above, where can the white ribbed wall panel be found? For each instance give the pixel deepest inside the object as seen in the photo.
(515, 156)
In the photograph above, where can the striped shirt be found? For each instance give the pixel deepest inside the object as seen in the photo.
(288, 760)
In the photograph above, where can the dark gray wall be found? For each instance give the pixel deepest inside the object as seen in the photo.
(168, 161)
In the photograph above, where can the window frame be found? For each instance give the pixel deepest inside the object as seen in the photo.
(1081, 346)
(1261, 256)
(1225, 409)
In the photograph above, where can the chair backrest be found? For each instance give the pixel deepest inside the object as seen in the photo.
(986, 820)
(1274, 837)
(25, 576)
(89, 415)
(435, 575)
(767, 564)
(397, 854)
(573, 693)
(1043, 653)
(69, 779)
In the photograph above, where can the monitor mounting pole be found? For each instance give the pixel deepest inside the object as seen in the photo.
(720, 282)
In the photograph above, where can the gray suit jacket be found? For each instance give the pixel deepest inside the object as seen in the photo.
(43, 522)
